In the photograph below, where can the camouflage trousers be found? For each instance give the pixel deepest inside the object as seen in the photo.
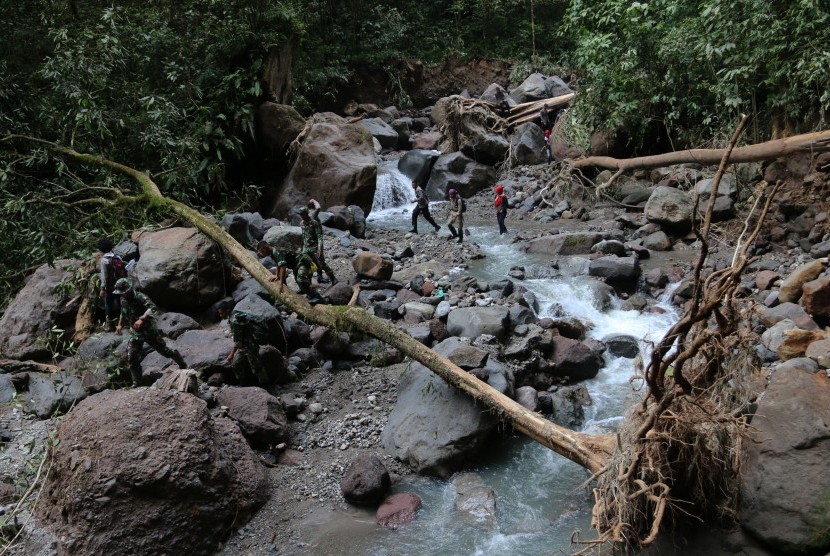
(247, 360)
(303, 273)
(320, 263)
(152, 336)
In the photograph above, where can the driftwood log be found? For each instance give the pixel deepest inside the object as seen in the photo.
(529, 111)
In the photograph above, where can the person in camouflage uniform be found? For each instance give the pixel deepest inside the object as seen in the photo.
(138, 311)
(313, 244)
(299, 263)
(247, 333)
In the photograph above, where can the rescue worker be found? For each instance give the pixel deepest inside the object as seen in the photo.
(247, 333)
(313, 245)
(455, 221)
(500, 202)
(138, 311)
(299, 263)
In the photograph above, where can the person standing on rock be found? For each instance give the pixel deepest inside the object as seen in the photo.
(544, 118)
(313, 245)
(500, 203)
(139, 311)
(246, 332)
(112, 268)
(455, 221)
(421, 207)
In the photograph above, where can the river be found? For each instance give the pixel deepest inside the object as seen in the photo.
(540, 495)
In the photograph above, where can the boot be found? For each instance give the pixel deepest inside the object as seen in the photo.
(460, 235)
(135, 372)
(452, 231)
(177, 357)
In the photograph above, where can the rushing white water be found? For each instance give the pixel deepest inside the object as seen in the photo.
(393, 191)
(539, 494)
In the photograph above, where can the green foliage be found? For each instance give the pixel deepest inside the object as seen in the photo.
(694, 66)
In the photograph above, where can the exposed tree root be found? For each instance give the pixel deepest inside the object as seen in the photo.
(679, 450)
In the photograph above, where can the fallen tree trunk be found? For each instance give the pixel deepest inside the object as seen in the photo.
(529, 111)
(808, 142)
(590, 451)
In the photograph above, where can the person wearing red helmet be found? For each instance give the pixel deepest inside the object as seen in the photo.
(500, 203)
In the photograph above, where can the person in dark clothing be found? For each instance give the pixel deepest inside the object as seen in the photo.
(544, 118)
(246, 333)
(109, 274)
(500, 203)
(455, 220)
(422, 207)
(313, 245)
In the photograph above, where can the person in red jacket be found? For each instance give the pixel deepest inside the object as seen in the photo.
(501, 208)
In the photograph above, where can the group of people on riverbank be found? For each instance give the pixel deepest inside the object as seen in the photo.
(458, 206)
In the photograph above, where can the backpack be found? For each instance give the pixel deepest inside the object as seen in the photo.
(116, 268)
(463, 205)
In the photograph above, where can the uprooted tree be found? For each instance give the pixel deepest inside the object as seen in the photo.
(677, 451)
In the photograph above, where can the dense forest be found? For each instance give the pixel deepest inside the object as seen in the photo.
(171, 87)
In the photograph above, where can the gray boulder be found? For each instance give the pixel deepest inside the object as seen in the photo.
(609, 247)
(671, 208)
(622, 345)
(532, 88)
(358, 228)
(180, 268)
(556, 87)
(173, 325)
(417, 164)
(249, 286)
(577, 243)
(483, 145)
(475, 500)
(434, 428)
(494, 93)
(336, 164)
(49, 393)
(527, 397)
(260, 415)
(203, 350)
(286, 237)
(458, 171)
(616, 270)
(39, 307)
(366, 480)
(567, 405)
(372, 265)
(382, 131)
(658, 241)
(7, 389)
(527, 145)
(785, 479)
(471, 322)
(245, 227)
(337, 217)
(727, 187)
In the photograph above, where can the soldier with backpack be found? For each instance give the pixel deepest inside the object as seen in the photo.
(139, 312)
(455, 221)
(247, 334)
(112, 269)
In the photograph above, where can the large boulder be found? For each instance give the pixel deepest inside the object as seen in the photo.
(791, 287)
(576, 243)
(460, 172)
(575, 359)
(372, 265)
(417, 164)
(527, 145)
(203, 350)
(284, 237)
(245, 227)
(336, 165)
(434, 427)
(147, 471)
(38, 308)
(483, 145)
(366, 480)
(556, 86)
(532, 88)
(671, 208)
(259, 415)
(616, 270)
(471, 322)
(53, 392)
(382, 131)
(277, 125)
(785, 486)
(180, 268)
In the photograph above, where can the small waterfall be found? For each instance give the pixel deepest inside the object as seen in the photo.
(393, 189)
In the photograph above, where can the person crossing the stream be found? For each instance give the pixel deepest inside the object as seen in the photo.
(421, 207)
(455, 221)
(500, 202)
(139, 312)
